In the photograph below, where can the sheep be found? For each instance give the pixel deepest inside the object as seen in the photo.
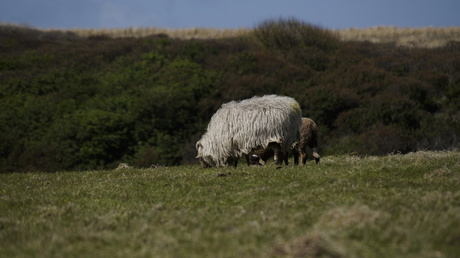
(308, 137)
(240, 127)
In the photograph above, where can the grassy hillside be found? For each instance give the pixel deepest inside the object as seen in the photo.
(347, 206)
(81, 103)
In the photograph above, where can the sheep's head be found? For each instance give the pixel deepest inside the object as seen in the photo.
(205, 161)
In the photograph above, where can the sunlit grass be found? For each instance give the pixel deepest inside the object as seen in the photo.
(400, 205)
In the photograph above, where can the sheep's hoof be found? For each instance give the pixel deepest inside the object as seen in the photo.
(279, 167)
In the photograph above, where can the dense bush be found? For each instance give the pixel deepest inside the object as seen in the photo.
(90, 103)
(291, 34)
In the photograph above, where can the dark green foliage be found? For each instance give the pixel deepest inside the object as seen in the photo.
(90, 103)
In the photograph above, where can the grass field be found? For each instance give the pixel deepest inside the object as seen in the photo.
(347, 206)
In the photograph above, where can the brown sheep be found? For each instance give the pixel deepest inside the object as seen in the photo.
(308, 138)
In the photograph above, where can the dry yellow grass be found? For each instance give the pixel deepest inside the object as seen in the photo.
(187, 33)
(428, 37)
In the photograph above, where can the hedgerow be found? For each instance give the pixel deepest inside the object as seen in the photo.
(70, 102)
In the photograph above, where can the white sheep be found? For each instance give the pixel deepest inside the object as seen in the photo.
(240, 127)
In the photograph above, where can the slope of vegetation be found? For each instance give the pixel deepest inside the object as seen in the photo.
(77, 103)
(347, 206)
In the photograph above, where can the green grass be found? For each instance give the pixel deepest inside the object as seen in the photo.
(347, 206)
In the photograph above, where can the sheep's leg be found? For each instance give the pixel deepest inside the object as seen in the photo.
(279, 157)
(235, 162)
(247, 159)
(232, 161)
(276, 158)
(295, 153)
(316, 155)
(304, 157)
(286, 158)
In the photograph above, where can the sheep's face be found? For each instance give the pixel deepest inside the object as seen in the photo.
(205, 161)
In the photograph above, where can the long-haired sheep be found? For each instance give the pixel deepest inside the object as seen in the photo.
(238, 128)
(308, 138)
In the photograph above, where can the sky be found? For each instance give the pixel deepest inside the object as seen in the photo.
(331, 14)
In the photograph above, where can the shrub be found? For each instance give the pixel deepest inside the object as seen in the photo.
(286, 34)
(378, 140)
(325, 103)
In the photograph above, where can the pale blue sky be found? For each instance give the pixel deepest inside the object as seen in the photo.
(333, 14)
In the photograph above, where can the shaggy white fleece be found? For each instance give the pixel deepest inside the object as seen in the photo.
(239, 127)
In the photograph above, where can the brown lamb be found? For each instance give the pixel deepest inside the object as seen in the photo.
(308, 138)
